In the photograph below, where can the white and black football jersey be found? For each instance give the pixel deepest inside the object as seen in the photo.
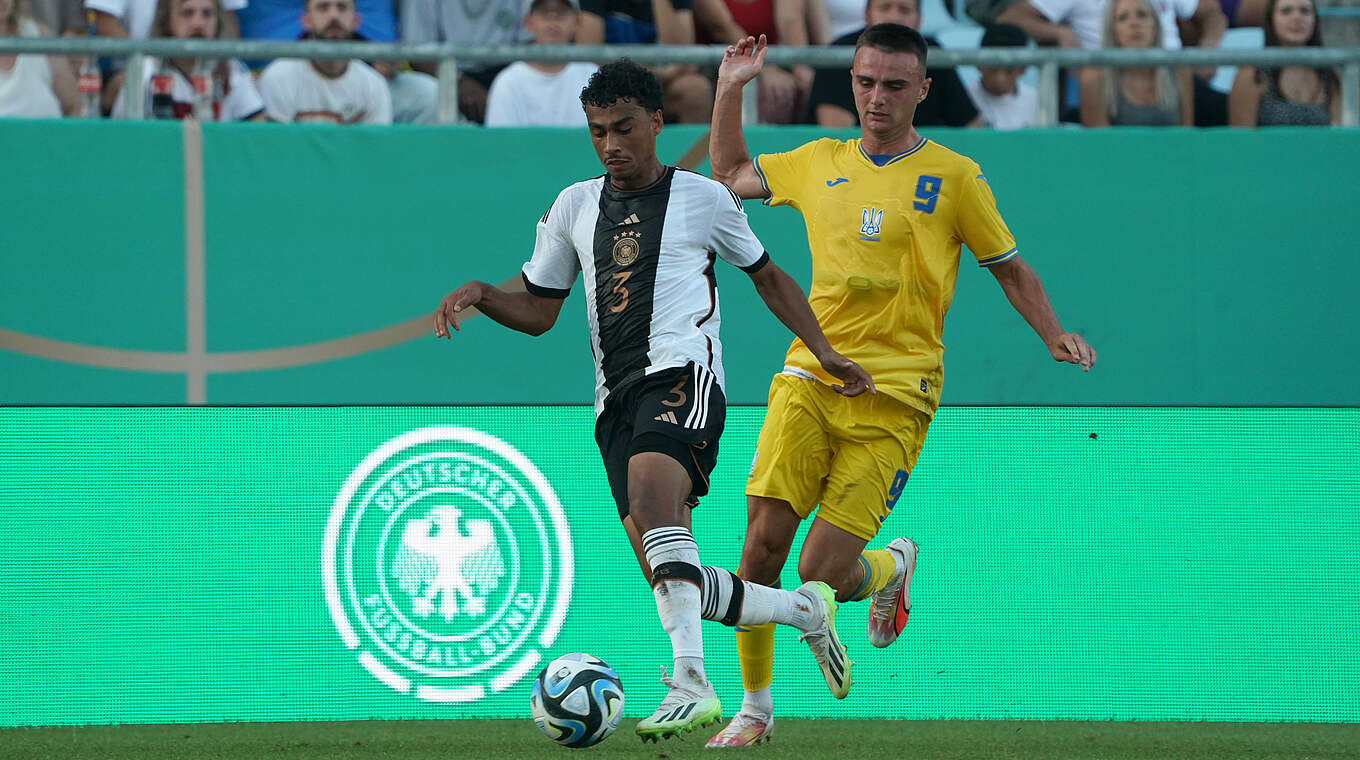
(647, 256)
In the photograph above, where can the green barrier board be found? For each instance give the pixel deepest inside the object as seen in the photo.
(263, 563)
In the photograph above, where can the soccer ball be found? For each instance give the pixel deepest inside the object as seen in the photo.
(577, 700)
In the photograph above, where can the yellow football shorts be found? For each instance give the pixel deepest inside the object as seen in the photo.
(850, 455)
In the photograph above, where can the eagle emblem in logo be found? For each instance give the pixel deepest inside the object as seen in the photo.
(626, 248)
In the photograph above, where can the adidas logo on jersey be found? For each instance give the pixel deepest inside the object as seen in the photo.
(632, 219)
(667, 417)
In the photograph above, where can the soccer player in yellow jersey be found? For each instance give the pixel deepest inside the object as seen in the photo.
(886, 215)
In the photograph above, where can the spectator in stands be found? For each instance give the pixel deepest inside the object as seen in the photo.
(33, 86)
(782, 93)
(1292, 95)
(687, 95)
(415, 95)
(235, 97)
(842, 16)
(1002, 100)
(486, 22)
(66, 18)
(1061, 23)
(279, 20)
(1135, 97)
(536, 93)
(1080, 23)
(132, 18)
(946, 104)
(340, 92)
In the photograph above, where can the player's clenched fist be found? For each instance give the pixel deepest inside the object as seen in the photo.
(450, 308)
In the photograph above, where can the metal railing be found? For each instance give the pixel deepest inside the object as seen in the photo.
(1049, 60)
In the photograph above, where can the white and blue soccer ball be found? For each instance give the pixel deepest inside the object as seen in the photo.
(577, 700)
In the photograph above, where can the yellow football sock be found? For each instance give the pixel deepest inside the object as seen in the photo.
(879, 566)
(755, 653)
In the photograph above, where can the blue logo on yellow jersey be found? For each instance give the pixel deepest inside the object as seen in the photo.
(870, 223)
(836, 181)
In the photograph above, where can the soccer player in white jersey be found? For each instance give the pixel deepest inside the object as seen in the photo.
(646, 237)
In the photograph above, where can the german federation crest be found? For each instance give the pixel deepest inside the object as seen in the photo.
(447, 564)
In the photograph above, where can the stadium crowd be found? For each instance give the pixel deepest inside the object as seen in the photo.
(531, 93)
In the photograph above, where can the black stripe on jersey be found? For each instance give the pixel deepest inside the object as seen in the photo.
(712, 300)
(759, 265)
(735, 198)
(541, 291)
(627, 250)
(545, 213)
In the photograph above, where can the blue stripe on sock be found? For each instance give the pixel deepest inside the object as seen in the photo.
(864, 583)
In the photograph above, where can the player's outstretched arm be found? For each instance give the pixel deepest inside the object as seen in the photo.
(520, 311)
(787, 301)
(727, 153)
(1026, 293)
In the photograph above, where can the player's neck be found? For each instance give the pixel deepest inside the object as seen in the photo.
(643, 180)
(889, 143)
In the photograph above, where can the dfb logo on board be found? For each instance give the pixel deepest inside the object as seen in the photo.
(447, 564)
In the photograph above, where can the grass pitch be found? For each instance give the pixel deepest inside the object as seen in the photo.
(793, 740)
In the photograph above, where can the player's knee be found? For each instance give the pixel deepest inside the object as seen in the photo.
(828, 569)
(762, 557)
(650, 511)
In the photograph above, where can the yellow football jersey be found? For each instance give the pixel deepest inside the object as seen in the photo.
(885, 244)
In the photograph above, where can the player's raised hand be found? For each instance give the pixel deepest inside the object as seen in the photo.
(856, 379)
(449, 311)
(743, 61)
(1073, 349)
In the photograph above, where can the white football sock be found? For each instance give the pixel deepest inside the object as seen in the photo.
(758, 702)
(676, 581)
(733, 601)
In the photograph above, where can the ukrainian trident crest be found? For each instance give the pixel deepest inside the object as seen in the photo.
(871, 223)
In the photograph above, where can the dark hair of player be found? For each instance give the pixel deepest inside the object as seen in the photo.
(622, 80)
(894, 38)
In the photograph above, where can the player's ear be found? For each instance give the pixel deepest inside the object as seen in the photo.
(925, 89)
(657, 122)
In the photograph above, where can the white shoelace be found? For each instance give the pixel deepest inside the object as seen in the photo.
(678, 692)
(885, 598)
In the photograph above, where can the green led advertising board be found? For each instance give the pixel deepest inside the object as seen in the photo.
(328, 563)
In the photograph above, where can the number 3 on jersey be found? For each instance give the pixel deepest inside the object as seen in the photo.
(620, 290)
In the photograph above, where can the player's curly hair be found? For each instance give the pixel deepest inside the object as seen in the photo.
(622, 80)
